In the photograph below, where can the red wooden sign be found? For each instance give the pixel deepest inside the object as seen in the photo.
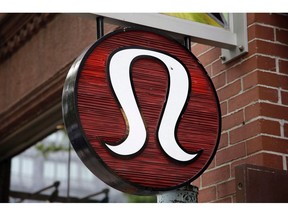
(141, 112)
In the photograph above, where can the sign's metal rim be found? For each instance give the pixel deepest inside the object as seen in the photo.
(77, 136)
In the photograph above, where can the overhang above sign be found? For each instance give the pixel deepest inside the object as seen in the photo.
(233, 40)
(141, 112)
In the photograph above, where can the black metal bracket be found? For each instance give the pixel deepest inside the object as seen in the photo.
(5, 174)
(187, 42)
(100, 27)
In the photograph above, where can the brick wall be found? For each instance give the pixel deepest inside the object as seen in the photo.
(253, 92)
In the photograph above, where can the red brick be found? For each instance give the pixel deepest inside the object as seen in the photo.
(268, 94)
(251, 80)
(282, 36)
(207, 194)
(243, 99)
(274, 111)
(272, 49)
(244, 132)
(250, 18)
(223, 140)
(233, 120)
(224, 107)
(252, 47)
(218, 67)
(231, 153)
(266, 109)
(253, 129)
(255, 62)
(266, 143)
(269, 48)
(210, 56)
(274, 19)
(241, 69)
(252, 111)
(266, 63)
(219, 80)
(214, 176)
(251, 95)
(199, 49)
(259, 31)
(196, 182)
(229, 90)
(212, 164)
(254, 145)
(273, 80)
(265, 78)
(283, 66)
(226, 189)
(209, 70)
(224, 200)
(286, 130)
(284, 97)
(267, 160)
(270, 127)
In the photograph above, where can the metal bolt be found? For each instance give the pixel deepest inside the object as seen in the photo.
(223, 58)
(240, 186)
(241, 48)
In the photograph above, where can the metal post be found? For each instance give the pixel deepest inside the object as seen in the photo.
(5, 170)
(100, 27)
(186, 194)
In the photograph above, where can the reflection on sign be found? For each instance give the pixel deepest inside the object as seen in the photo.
(214, 19)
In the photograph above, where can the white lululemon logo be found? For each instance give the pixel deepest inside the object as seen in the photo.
(120, 78)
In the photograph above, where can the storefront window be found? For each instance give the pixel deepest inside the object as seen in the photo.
(42, 173)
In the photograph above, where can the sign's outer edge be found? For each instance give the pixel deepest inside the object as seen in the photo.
(77, 136)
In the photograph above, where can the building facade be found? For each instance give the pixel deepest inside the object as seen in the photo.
(253, 94)
(37, 50)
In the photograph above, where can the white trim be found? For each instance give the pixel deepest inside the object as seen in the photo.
(233, 41)
(200, 33)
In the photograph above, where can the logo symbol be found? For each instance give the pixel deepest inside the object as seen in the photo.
(119, 70)
(141, 112)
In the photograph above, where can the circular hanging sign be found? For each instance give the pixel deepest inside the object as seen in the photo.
(141, 112)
